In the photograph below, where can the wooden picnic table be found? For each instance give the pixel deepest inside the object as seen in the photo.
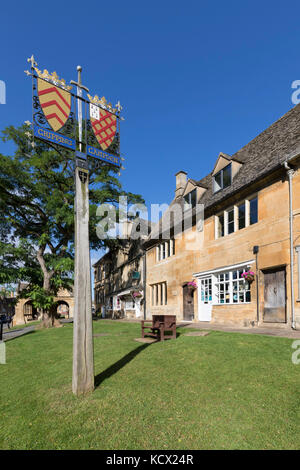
(159, 325)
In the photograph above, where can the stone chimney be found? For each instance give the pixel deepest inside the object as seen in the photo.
(181, 179)
(126, 229)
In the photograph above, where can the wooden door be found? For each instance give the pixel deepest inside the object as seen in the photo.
(275, 296)
(188, 303)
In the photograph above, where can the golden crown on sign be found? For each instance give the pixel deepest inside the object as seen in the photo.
(102, 103)
(53, 77)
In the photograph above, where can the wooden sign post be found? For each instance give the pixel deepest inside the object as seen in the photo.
(83, 355)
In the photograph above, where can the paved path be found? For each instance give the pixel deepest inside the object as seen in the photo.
(11, 334)
(283, 333)
(269, 331)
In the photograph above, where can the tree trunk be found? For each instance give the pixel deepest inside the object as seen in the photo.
(49, 318)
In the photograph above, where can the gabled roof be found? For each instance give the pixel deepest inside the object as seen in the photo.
(264, 153)
(222, 156)
(261, 156)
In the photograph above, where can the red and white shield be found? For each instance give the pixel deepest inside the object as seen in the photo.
(104, 125)
(55, 103)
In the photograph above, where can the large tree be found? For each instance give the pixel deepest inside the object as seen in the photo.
(37, 215)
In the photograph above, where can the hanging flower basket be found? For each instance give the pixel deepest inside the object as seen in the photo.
(137, 294)
(248, 276)
(192, 285)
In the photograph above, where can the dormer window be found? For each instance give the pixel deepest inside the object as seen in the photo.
(190, 200)
(222, 179)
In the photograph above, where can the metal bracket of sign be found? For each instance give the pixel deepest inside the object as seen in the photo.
(79, 163)
(80, 155)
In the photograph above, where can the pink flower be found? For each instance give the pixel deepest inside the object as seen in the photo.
(248, 273)
(137, 294)
(192, 284)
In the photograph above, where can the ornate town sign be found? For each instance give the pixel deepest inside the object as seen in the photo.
(54, 111)
(55, 121)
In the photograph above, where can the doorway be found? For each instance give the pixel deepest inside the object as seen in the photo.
(274, 295)
(205, 298)
(188, 303)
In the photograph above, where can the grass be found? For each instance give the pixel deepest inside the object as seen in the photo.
(221, 391)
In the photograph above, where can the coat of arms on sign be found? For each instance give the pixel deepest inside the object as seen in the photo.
(103, 120)
(82, 176)
(55, 99)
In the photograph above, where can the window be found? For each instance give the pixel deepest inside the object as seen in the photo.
(231, 288)
(221, 226)
(129, 304)
(237, 217)
(223, 293)
(190, 200)
(165, 250)
(242, 216)
(222, 179)
(253, 211)
(206, 290)
(298, 253)
(230, 221)
(159, 294)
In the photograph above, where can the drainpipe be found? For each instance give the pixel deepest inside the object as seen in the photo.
(290, 173)
(255, 252)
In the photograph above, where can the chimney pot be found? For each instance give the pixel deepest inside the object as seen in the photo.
(181, 179)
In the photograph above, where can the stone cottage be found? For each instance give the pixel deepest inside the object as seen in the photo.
(241, 265)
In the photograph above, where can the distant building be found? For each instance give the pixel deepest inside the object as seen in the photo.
(25, 311)
(119, 280)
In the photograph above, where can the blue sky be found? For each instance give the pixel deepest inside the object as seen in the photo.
(194, 78)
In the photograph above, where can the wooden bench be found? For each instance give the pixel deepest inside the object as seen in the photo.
(159, 325)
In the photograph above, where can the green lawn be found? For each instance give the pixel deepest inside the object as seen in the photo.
(221, 391)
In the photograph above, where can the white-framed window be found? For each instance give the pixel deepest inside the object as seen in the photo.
(165, 250)
(220, 226)
(237, 217)
(230, 220)
(222, 179)
(231, 288)
(159, 293)
(190, 200)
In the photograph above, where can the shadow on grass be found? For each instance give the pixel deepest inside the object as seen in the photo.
(118, 365)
